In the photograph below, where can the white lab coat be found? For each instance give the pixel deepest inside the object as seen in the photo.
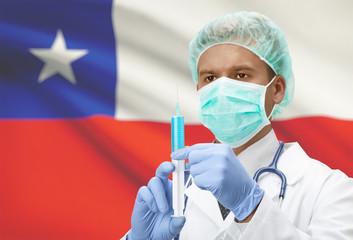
(318, 202)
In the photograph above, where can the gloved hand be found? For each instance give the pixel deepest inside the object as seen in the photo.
(215, 168)
(151, 217)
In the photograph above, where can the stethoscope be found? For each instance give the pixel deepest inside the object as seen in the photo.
(272, 168)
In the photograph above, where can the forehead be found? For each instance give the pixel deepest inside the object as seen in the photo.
(228, 55)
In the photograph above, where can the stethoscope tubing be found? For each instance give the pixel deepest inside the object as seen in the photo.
(272, 168)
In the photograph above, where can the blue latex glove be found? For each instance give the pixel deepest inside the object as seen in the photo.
(215, 168)
(151, 217)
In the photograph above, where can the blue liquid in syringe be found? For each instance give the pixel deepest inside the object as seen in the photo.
(177, 130)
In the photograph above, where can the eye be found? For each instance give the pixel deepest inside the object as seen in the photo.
(210, 78)
(242, 75)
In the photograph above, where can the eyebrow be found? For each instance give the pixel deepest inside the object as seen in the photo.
(233, 69)
(206, 72)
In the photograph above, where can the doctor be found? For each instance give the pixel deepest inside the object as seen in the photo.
(242, 69)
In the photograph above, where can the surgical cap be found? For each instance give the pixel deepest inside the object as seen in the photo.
(255, 32)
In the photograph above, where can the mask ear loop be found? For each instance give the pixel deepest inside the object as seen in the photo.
(270, 116)
(268, 84)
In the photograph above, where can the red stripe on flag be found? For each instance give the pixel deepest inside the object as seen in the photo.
(77, 179)
(325, 139)
(64, 180)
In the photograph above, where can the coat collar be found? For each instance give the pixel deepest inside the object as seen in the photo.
(259, 154)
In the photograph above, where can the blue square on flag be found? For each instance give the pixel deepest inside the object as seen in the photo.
(57, 59)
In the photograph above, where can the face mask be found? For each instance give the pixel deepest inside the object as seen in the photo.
(233, 110)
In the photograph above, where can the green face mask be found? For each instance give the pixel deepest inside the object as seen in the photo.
(233, 110)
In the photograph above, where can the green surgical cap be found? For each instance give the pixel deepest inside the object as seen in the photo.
(255, 32)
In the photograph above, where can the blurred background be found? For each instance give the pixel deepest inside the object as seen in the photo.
(74, 153)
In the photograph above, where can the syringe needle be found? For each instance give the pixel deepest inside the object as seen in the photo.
(177, 108)
(177, 98)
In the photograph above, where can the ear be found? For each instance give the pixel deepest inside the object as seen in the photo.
(197, 87)
(280, 89)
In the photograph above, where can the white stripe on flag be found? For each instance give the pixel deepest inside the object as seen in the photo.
(153, 54)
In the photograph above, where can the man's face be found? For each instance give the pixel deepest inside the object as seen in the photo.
(232, 61)
(235, 62)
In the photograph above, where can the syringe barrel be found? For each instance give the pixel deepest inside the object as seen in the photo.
(177, 132)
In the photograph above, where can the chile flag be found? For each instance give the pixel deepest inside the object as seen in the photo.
(71, 162)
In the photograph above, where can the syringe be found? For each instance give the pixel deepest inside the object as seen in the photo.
(178, 174)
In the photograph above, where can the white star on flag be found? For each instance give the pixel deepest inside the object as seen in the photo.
(58, 59)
